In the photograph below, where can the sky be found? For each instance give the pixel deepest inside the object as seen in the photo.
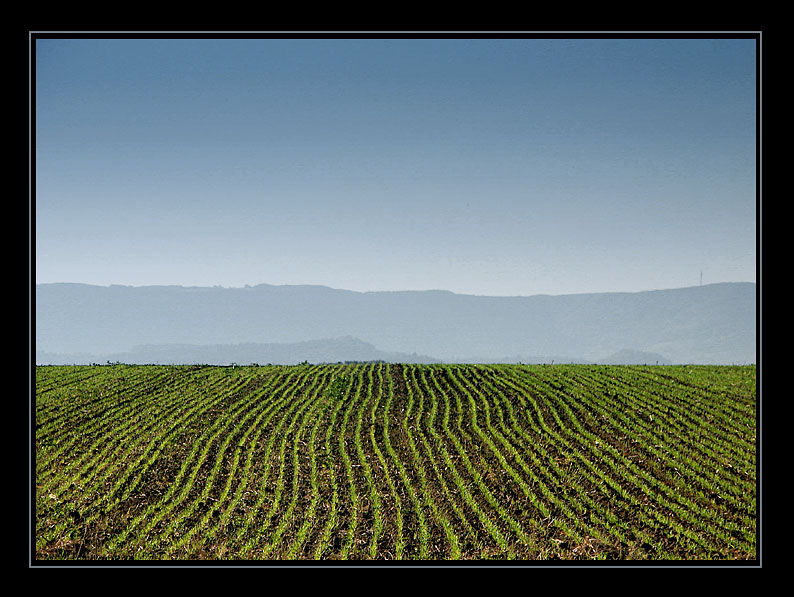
(499, 167)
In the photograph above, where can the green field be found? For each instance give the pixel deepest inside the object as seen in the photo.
(395, 462)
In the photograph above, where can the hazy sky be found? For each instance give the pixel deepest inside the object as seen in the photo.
(498, 167)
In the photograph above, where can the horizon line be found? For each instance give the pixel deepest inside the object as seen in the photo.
(441, 290)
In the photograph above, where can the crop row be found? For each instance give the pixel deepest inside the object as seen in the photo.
(385, 461)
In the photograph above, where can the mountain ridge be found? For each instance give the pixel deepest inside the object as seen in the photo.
(265, 285)
(709, 324)
(326, 350)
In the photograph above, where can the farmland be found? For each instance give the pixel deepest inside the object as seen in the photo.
(384, 462)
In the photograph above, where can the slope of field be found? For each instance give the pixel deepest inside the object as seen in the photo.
(379, 461)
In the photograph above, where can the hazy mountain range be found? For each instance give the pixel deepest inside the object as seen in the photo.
(80, 323)
(327, 350)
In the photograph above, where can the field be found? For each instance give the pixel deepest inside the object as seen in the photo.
(395, 462)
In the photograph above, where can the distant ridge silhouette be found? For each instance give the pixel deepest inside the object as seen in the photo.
(709, 324)
(330, 350)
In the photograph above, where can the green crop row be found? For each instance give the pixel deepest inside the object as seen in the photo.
(385, 461)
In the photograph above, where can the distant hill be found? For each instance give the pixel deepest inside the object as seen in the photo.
(635, 357)
(711, 324)
(330, 350)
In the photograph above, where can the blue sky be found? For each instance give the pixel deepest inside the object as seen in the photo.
(480, 166)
